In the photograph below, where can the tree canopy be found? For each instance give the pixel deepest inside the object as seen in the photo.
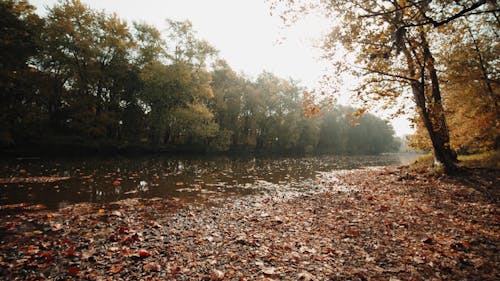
(411, 50)
(85, 78)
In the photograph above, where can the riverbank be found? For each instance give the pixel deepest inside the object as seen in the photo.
(385, 223)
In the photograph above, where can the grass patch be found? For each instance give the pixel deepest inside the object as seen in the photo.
(426, 159)
(489, 159)
(426, 164)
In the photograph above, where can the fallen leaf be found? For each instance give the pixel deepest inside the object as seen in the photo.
(144, 254)
(216, 275)
(115, 268)
(123, 229)
(353, 232)
(152, 266)
(70, 252)
(306, 276)
(269, 270)
(73, 270)
(56, 227)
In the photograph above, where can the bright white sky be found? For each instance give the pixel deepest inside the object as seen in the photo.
(248, 37)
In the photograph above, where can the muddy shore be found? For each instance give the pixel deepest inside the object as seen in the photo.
(370, 224)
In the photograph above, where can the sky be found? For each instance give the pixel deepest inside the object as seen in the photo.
(247, 36)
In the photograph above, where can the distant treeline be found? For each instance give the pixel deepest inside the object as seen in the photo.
(81, 78)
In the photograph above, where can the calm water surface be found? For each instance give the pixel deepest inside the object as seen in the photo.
(189, 178)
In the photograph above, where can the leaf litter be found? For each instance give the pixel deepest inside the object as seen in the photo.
(366, 224)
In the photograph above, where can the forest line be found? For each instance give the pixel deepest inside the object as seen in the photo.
(82, 78)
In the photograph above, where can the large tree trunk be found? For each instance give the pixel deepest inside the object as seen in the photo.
(434, 117)
(430, 107)
(438, 135)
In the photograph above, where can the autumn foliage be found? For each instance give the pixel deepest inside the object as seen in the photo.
(440, 57)
(110, 85)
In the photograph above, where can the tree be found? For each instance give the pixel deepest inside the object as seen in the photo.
(280, 119)
(149, 46)
(81, 78)
(471, 90)
(341, 134)
(19, 42)
(86, 54)
(176, 87)
(195, 124)
(469, 77)
(394, 55)
(228, 88)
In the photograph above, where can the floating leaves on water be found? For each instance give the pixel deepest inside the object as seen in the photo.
(97, 180)
(24, 207)
(48, 179)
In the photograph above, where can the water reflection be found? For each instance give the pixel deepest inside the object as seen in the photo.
(107, 180)
(118, 190)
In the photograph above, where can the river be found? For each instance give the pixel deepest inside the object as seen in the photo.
(32, 184)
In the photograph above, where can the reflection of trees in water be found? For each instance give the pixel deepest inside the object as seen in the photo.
(96, 194)
(63, 204)
(92, 180)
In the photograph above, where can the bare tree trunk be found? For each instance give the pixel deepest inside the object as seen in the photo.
(433, 113)
(429, 106)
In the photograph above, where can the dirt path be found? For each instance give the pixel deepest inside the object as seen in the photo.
(375, 224)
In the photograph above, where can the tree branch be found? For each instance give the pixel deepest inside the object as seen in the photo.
(429, 20)
(400, 77)
(377, 14)
(461, 13)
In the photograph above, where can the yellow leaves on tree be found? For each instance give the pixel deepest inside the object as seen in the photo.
(309, 105)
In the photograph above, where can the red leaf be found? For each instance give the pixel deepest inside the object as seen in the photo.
(122, 229)
(154, 224)
(130, 240)
(47, 255)
(175, 271)
(113, 238)
(70, 252)
(144, 254)
(73, 270)
(353, 232)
